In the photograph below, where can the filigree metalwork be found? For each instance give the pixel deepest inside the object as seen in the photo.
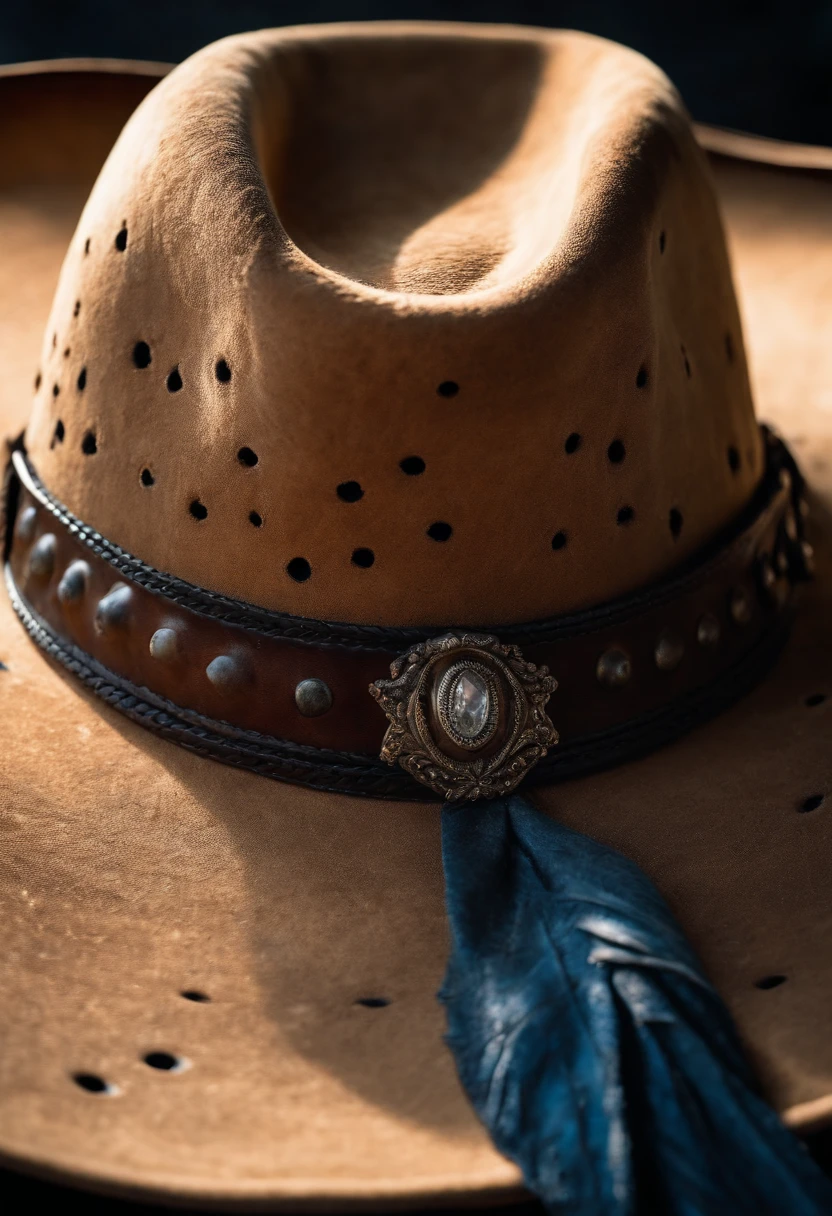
(420, 738)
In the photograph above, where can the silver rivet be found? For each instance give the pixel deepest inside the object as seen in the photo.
(74, 582)
(225, 672)
(783, 562)
(313, 698)
(767, 576)
(669, 651)
(42, 557)
(164, 645)
(708, 630)
(25, 526)
(740, 607)
(113, 609)
(791, 525)
(614, 668)
(808, 556)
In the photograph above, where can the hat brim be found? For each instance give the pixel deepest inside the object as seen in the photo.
(136, 876)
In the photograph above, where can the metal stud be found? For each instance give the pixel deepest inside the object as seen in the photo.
(785, 479)
(313, 697)
(614, 667)
(783, 562)
(669, 651)
(225, 673)
(25, 526)
(767, 576)
(708, 630)
(113, 609)
(42, 557)
(808, 557)
(164, 645)
(791, 525)
(740, 607)
(72, 586)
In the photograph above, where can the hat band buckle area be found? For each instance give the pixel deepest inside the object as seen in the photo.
(467, 713)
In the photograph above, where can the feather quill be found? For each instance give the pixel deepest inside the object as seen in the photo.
(588, 1040)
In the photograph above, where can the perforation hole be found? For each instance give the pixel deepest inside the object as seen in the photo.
(812, 803)
(147, 478)
(616, 452)
(67, 351)
(814, 699)
(89, 444)
(363, 558)
(686, 361)
(641, 377)
(38, 381)
(86, 246)
(729, 348)
(440, 531)
(733, 459)
(164, 1061)
(662, 241)
(141, 355)
(174, 381)
(448, 388)
(412, 465)
(194, 994)
(222, 371)
(573, 442)
(247, 457)
(58, 433)
(92, 1084)
(198, 509)
(76, 310)
(349, 491)
(675, 521)
(255, 519)
(121, 238)
(770, 981)
(82, 380)
(299, 569)
(559, 541)
(56, 388)
(373, 1002)
(625, 516)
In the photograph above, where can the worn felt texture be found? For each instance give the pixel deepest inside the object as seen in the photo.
(132, 871)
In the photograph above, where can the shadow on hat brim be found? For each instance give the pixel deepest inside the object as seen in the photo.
(137, 877)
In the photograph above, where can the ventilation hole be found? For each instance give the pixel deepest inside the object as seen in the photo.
(363, 558)
(641, 378)
(174, 381)
(56, 388)
(616, 452)
(121, 239)
(573, 442)
(58, 434)
(67, 352)
(299, 569)
(147, 478)
(733, 459)
(86, 246)
(440, 531)
(625, 516)
(412, 465)
(77, 308)
(38, 381)
(193, 994)
(89, 444)
(770, 981)
(198, 509)
(373, 1002)
(816, 698)
(349, 491)
(729, 348)
(247, 457)
(812, 802)
(82, 380)
(162, 1060)
(662, 241)
(3, 666)
(559, 540)
(448, 388)
(91, 1083)
(255, 518)
(222, 371)
(676, 521)
(141, 355)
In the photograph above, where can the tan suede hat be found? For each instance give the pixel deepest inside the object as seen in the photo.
(402, 327)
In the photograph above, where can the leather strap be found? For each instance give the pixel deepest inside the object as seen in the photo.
(223, 679)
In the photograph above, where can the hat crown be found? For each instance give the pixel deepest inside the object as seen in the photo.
(421, 325)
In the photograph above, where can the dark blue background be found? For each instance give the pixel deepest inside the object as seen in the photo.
(756, 65)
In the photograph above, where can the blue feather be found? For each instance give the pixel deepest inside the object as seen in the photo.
(587, 1038)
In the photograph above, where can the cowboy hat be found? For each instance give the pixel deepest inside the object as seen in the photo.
(365, 335)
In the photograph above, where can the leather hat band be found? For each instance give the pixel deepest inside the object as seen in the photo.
(467, 711)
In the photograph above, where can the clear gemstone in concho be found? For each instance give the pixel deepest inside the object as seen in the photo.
(470, 703)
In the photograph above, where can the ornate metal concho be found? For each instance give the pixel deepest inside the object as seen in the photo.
(467, 715)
